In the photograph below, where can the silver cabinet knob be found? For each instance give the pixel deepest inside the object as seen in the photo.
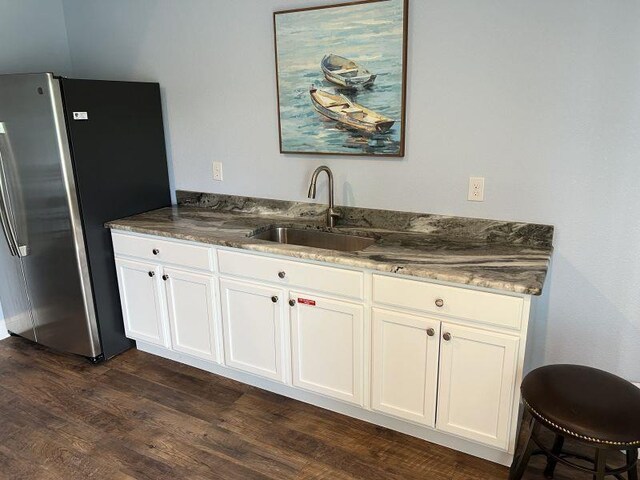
(431, 332)
(292, 303)
(155, 251)
(274, 299)
(446, 336)
(165, 277)
(282, 274)
(439, 303)
(152, 274)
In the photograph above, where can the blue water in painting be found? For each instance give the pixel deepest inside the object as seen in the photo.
(369, 34)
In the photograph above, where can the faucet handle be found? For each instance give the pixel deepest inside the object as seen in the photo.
(332, 215)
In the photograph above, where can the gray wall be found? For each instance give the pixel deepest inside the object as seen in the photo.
(33, 38)
(540, 97)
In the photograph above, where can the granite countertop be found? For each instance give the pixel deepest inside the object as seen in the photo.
(509, 256)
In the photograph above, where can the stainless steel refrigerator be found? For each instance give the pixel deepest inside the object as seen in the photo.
(74, 154)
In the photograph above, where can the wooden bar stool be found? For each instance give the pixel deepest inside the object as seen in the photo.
(591, 406)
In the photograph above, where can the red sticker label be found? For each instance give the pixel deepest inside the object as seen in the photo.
(306, 301)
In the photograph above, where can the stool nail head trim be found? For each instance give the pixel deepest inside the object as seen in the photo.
(574, 434)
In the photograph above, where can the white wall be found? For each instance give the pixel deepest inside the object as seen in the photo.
(3, 327)
(540, 97)
(33, 38)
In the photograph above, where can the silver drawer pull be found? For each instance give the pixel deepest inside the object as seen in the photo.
(282, 274)
(155, 251)
(446, 336)
(439, 303)
(274, 299)
(431, 332)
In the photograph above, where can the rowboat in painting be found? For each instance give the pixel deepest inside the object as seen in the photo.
(348, 113)
(345, 72)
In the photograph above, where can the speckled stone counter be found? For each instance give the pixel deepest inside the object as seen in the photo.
(501, 255)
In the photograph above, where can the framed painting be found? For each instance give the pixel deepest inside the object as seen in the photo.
(341, 77)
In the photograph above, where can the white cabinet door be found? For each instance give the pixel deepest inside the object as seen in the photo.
(477, 374)
(405, 365)
(191, 303)
(252, 318)
(327, 346)
(142, 304)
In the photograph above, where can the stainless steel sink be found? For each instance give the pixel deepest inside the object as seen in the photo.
(315, 238)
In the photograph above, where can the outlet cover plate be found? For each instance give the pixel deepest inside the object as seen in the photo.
(217, 171)
(476, 189)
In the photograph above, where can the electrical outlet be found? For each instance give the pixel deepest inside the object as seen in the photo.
(476, 189)
(217, 171)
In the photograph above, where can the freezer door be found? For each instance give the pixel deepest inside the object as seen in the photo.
(41, 196)
(13, 289)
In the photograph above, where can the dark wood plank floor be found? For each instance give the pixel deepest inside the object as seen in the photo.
(142, 417)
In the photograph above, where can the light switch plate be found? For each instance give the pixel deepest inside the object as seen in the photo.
(217, 171)
(476, 189)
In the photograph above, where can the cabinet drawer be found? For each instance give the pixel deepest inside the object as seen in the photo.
(287, 273)
(490, 308)
(166, 251)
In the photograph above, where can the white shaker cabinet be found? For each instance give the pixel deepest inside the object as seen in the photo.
(477, 373)
(252, 317)
(191, 307)
(436, 360)
(405, 365)
(327, 346)
(143, 308)
(166, 306)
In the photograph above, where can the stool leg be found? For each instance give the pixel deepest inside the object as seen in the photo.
(520, 463)
(632, 457)
(601, 464)
(552, 462)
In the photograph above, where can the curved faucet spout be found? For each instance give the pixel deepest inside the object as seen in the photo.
(332, 213)
(314, 180)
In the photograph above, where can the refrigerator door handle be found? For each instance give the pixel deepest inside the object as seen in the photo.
(5, 217)
(6, 228)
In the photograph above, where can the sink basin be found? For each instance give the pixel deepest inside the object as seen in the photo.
(315, 238)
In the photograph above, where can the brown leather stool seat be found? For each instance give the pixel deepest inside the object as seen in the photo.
(590, 405)
(586, 403)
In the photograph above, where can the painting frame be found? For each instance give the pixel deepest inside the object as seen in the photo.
(403, 94)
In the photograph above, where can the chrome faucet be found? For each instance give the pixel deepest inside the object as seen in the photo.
(332, 213)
